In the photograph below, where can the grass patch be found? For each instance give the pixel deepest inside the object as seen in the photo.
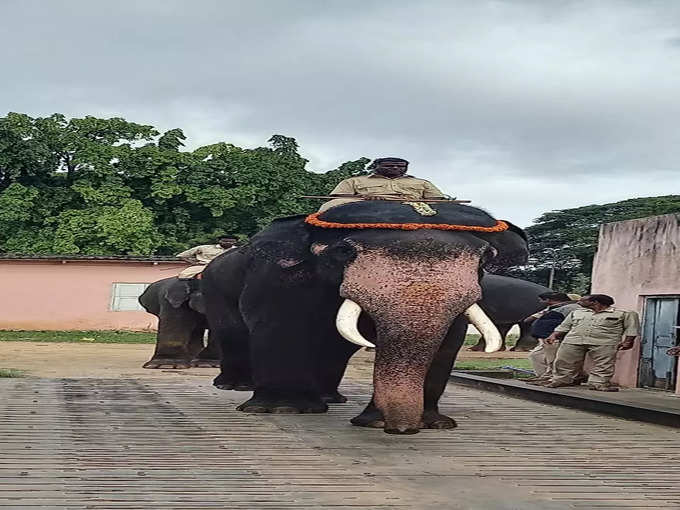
(496, 364)
(472, 339)
(491, 364)
(11, 372)
(97, 337)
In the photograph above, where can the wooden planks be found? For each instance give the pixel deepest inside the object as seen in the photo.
(124, 444)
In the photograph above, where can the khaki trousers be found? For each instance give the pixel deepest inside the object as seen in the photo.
(542, 358)
(569, 361)
(191, 271)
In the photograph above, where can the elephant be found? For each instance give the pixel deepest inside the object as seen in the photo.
(181, 326)
(283, 305)
(505, 312)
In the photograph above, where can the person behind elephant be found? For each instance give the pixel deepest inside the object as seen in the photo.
(388, 180)
(595, 329)
(559, 305)
(200, 256)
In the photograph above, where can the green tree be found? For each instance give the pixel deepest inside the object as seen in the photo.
(109, 186)
(567, 239)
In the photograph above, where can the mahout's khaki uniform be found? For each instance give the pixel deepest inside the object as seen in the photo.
(199, 256)
(376, 185)
(596, 333)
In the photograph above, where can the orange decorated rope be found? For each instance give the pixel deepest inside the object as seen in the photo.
(313, 219)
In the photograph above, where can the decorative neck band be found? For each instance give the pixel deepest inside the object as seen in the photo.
(313, 219)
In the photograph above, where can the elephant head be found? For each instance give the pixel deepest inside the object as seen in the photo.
(412, 284)
(179, 293)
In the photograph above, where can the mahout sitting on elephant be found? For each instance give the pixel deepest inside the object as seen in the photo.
(281, 305)
(181, 325)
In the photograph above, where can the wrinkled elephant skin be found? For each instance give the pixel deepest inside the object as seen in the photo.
(412, 301)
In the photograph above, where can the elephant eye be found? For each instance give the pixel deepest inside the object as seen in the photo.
(489, 254)
(342, 252)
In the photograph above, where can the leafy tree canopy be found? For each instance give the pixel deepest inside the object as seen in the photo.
(109, 186)
(567, 239)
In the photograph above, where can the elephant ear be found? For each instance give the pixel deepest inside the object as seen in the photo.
(197, 302)
(284, 243)
(512, 247)
(177, 293)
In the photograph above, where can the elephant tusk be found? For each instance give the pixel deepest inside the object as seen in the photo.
(347, 321)
(487, 329)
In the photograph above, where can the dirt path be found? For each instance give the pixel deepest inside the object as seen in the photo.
(81, 360)
(76, 360)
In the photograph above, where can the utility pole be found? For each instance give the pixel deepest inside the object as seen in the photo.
(551, 276)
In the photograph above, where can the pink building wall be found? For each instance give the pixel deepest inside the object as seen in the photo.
(74, 294)
(637, 258)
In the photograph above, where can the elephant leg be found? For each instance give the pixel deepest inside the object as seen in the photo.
(282, 363)
(525, 342)
(175, 336)
(435, 384)
(479, 346)
(229, 336)
(208, 355)
(503, 331)
(332, 365)
(438, 376)
(288, 339)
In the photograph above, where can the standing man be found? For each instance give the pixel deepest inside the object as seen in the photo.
(200, 256)
(597, 328)
(388, 180)
(559, 305)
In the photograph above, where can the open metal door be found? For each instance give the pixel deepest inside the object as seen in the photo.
(659, 333)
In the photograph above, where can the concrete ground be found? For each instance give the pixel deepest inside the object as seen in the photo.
(175, 442)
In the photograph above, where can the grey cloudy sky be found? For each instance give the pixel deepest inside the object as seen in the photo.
(520, 106)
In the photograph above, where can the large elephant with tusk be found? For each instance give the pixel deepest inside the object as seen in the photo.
(294, 304)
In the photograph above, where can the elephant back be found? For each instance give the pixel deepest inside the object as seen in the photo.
(392, 212)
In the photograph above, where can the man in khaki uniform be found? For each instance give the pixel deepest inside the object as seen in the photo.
(388, 180)
(596, 328)
(543, 323)
(201, 255)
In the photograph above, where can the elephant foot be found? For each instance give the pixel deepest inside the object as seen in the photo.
(259, 405)
(333, 398)
(223, 382)
(370, 417)
(205, 363)
(167, 363)
(435, 420)
(235, 386)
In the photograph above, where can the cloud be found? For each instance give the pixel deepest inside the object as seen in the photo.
(521, 106)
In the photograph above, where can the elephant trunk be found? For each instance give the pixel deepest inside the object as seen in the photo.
(412, 303)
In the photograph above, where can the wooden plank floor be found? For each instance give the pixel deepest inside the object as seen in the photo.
(165, 444)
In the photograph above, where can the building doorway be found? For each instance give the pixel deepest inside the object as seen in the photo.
(659, 333)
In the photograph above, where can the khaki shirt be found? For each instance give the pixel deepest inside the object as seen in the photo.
(375, 185)
(202, 254)
(584, 326)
